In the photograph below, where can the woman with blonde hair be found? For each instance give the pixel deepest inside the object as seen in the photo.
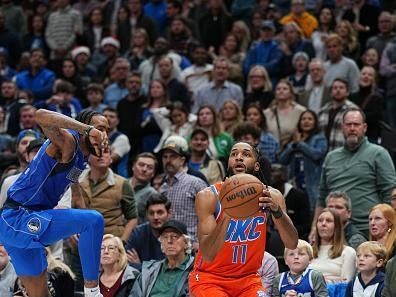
(117, 277)
(230, 115)
(283, 113)
(242, 33)
(259, 88)
(139, 49)
(382, 225)
(331, 255)
(348, 34)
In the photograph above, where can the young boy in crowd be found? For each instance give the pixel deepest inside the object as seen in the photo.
(95, 95)
(300, 280)
(370, 260)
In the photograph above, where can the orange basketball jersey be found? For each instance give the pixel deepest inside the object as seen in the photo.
(243, 249)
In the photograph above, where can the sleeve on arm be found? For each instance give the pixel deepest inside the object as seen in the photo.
(348, 265)
(128, 201)
(121, 146)
(319, 284)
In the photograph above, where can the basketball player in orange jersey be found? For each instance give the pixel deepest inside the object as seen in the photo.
(230, 250)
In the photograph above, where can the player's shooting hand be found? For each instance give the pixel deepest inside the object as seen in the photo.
(133, 256)
(99, 141)
(266, 201)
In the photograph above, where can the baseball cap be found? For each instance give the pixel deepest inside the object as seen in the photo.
(36, 143)
(268, 24)
(110, 41)
(175, 225)
(27, 132)
(177, 144)
(200, 130)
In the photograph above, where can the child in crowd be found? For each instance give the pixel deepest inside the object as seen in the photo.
(95, 95)
(370, 260)
(300, 280)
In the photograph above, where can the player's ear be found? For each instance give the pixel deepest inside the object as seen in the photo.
(256, 166)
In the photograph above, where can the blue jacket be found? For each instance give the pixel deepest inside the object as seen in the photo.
(264, 53)
(145, 243)
(376, 284)
(40, 84)
(314, 152)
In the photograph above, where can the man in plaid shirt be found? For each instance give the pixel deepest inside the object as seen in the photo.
(330, 115)
(179, 187)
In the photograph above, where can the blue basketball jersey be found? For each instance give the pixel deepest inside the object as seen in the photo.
(45, 181)
(303, 285)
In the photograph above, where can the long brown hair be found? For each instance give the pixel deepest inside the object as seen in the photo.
(165, 98)
(216, 127)
(338, 240)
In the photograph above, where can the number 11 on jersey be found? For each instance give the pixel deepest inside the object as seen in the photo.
(239, 253)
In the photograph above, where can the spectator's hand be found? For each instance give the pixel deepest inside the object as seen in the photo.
(74, 240)
(285, 48)
(56, 99)
(311, 236)
(296, 136)
(133, 256)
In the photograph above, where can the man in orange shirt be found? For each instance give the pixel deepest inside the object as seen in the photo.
(306, 21)
(231, 251)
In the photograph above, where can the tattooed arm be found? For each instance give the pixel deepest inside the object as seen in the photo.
(54, 126)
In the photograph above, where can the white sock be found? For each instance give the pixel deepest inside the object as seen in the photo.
(92, 292)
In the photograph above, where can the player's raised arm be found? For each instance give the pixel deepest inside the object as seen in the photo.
(54, 125)
(211, 233)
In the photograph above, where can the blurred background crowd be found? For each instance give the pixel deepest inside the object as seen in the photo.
(312, 84)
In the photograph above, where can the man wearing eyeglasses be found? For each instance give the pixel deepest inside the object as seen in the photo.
(167, 277)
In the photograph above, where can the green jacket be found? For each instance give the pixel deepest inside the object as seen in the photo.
(150, 270)
(390, 277)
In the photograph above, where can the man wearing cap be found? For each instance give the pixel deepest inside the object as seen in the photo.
(167, 277)
(179, 187)
(22, 142)
(110, 49)
(200, 160)
(265, 53)
(81, 55)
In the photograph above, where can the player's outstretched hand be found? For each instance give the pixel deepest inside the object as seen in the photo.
(98, 140)
(266, 201)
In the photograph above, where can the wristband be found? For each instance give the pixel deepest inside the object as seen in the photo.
(278, 213)
(88, 130)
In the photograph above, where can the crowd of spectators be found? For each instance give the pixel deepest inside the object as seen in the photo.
(310, 83)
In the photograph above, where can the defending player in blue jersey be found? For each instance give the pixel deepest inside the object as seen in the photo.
(28, 221)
